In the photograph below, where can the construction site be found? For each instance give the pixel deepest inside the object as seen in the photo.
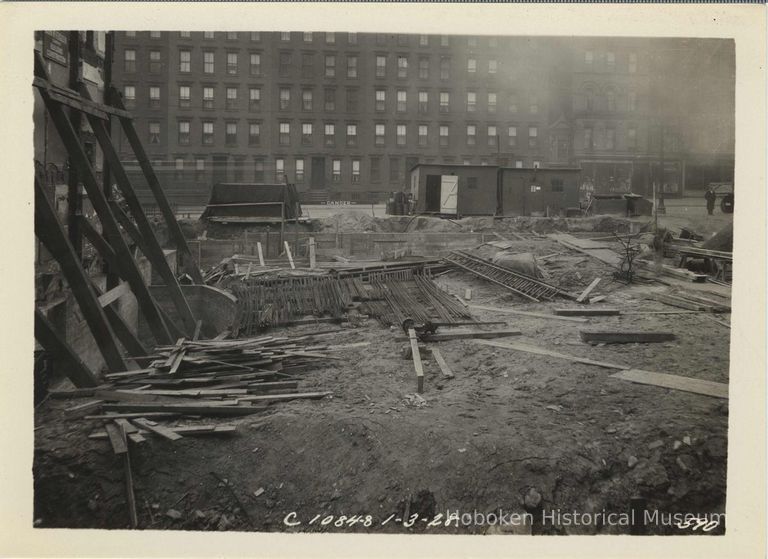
(266, 365)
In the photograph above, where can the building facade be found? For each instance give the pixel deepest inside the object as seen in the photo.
(345, 116)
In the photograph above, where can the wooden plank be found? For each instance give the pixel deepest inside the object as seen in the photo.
(198, 327)
(446, 370)
(187, 409)
(83, 409)
(288, 253)
(681, 303)
(182, 431)
(130, 496)
(626, 337)
(474, 335)
(541, 351)
(584, 294)
(110, 416)
(114, 294)
(416, 356)
(675, 382)
(282, 397)
(70, 363)
(597, 299)
(527, 313)
(587, 312)
(116, 438)
(77, 392)
(164, 432)
(312, 260)
(261, 254)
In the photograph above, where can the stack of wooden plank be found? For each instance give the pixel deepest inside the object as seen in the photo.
(693, 301)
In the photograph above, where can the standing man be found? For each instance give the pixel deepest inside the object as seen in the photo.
(710, 197)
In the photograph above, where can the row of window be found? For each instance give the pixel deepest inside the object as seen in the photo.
(330, 38)
(609, 60)
(380, 99)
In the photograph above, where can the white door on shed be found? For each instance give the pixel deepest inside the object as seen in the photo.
(449, 194)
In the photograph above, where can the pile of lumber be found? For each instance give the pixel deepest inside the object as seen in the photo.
(692, 301)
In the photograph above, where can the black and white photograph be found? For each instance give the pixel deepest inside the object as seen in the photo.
(337, 279)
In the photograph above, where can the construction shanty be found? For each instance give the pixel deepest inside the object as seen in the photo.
(508, 343)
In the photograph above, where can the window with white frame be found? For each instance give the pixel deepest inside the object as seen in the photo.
(533, 136)
(154, 96)
(254, 133)
(185, 96)
(471, 101)
(471, 134)
(280, 169)
(185, 61)
(285, 36)
(285, 98)
(129, 94)
(330, 134)
(402, 100)
(208, 133)
(493, 66)
(299, 170)
(512, 136)
(209, 35)
(183, 132)
(492, 136)
(351, 135)
(491, 102)
(381, 100)
(445, 101)
(306, 100)
(336, 170)
(232, 63)
(351, 67)
(330, 66)
(471, 65)
(308, 36)
(231, 133)
(130, 60)
(401, 134)
(355, 170)
(255, 64)
(155, 61)
(379, 131)
(254, 98)
(330, 38)
(154, 132)
(306, 133)
(231, 102)
(423, 101)
(443, 135)
(208, 62)
(285, 133)
(402, 66)
(381, 66)
(423, 134)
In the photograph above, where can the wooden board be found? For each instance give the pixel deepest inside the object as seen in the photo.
(675, 382)
(83, 409)
(281, 397)
(584, 294)
(587, 312)
(626, 337)
(474, 335)
(164, 432)
(416, 355)
(116, 438)
(446, 370)
(290, 256)
(114, 294)
(201, 409)
(541, 351)
(527, 313)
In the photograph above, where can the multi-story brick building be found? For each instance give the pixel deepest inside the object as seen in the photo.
(345, 115)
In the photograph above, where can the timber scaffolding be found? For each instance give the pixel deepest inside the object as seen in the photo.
(107, 326)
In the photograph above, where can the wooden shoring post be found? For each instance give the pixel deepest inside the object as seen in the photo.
(282, 220)
(74, 190)
(51, 233)
(416, 356)
(261, 254)
(174, 230)
(126, 223)
(101, 206)
(290, 256)
(312, 259)
(154, 251)
(101, 245)
(80, 375)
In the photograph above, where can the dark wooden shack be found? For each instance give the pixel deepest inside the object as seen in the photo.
(252, 203)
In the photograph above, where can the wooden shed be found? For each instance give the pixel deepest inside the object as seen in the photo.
(252, 203)
(454, 190)
(537, 191)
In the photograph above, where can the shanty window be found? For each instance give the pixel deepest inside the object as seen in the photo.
(330, 66)
(207, 133)
(232, 63)
(330, 100)
(285, 133)
(445, 101)
(254, 98)
(402, 101)
(445, 68)
(351, 135)
(443, 136)
(491, 102)
(355, 170)
(306, 133)
(154, 97)
(330, 38)
(129, 94)
(492, 137)
(423, 132)
(185, 61)
(306, 100)
(381, 66)
(255, 64)
(130, 60)
(208, 98)
(254, 133)
(336, 166)
(512, 135)
(155, 62)
(471, 134)
(375, 171)
(424, 68)
(185, 96)
(280, 170)
(231, 98)
(352, 67)
(533, 136)
(423, 101)
(330, 135)
(493, 66)
(471, 101)
(154, 132)
(401, 134)
(208, 62)
(557, 185)
(631, 137)
(380, 132)
(471, 65)
(381, 100)
(299, 170)
(183, 132)
(632, 65)
(402, 66)
(285, 98)
(231, 133)
(308, 36)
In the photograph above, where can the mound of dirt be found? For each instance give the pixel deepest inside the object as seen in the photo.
(723, 239)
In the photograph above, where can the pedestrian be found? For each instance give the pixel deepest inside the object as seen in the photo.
(710, 197)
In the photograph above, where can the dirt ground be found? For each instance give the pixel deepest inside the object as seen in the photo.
(512, 431)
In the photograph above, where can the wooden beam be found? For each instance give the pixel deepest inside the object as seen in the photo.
(526, 313)
(675, 382)
(73, 99)
(261, 254)
(187, 409)
(587, 312)
(478, 334)
(541, 351)
(113, 295)
(70, 364)
(446, 370)
(290, 256)
(174, 230)
(52, 235)
(98, 242)
(584, 294)
(312, 260)
(80, 160)
(626, 337)
(164, 432)
(416, 356)
(116, 437)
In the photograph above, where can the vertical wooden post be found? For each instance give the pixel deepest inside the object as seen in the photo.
(74, 190)
(416, 356)
(312, 261)
(261, 255)
(290, 256)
